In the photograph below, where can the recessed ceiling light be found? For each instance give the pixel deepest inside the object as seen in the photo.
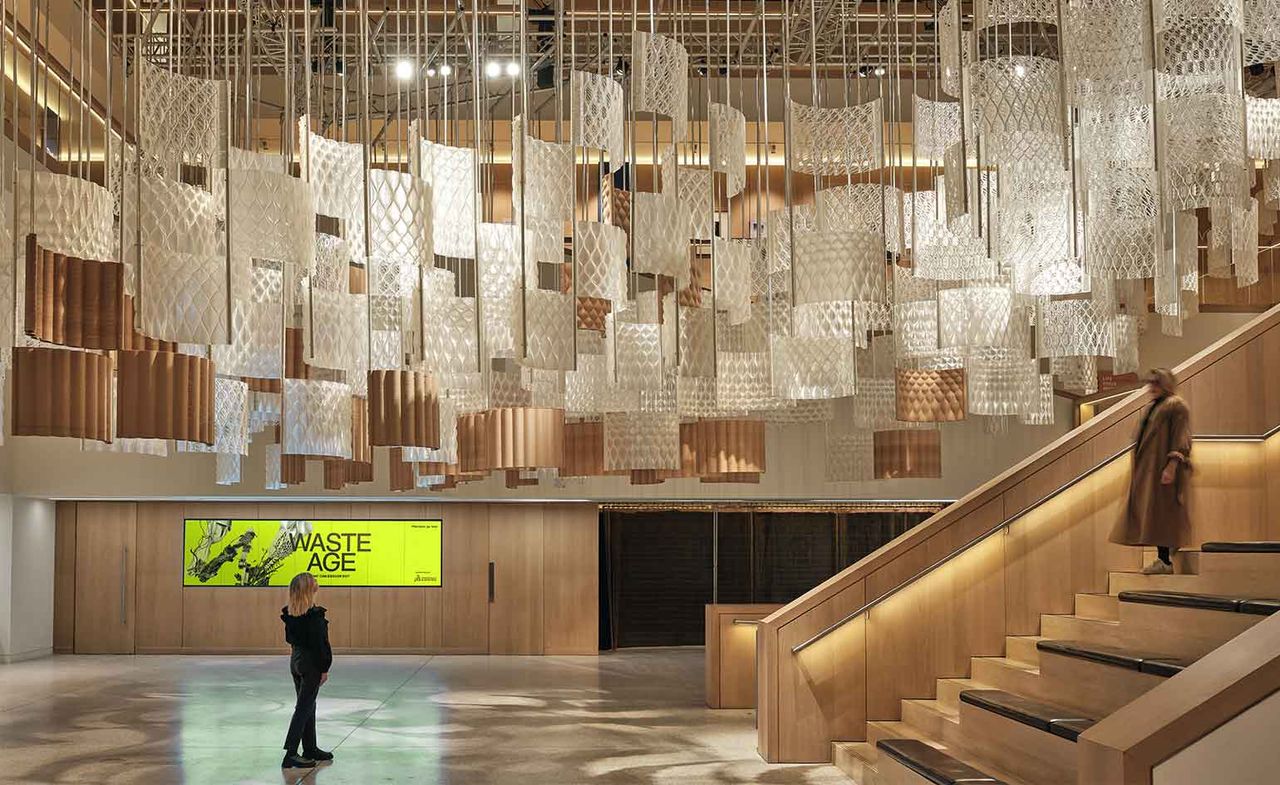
(404, 70)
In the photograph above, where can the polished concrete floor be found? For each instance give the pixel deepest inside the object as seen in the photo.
(622, 719)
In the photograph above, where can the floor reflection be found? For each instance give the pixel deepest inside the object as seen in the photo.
(627, 718)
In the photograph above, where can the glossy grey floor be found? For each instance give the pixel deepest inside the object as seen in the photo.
(624, 718)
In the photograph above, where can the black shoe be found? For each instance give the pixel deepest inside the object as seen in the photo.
(292, 761)
(318, 755)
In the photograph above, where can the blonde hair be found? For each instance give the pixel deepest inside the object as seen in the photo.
(302, 593)
(1164, 379)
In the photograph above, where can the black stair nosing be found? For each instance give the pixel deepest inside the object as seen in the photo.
(1248, 546)
(1259, 606)
(1145, 662)
(1182, 599)
(915, 755)
(996, 702)
(1070, 729)
(1107, 655)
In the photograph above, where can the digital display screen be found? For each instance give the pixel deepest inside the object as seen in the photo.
(233, 552)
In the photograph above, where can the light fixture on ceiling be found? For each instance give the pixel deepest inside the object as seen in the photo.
(1019, 70)
(493, 69)
(431, 72)
(404, 70)
(446, 69)
(880, 70)
(513, 69)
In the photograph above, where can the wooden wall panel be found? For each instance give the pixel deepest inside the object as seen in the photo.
(464, 622)
(515, 550)
(551, 606)
(160, 557)
(730, 654)
(570, 579)
(105, 577)
(64, 578)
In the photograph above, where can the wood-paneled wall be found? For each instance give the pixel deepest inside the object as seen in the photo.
(731, 654)
(547, 598)
(966, 607)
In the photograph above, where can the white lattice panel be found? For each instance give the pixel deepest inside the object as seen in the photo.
(550, 321)
(1017, 100)
(336, 173)
(1001, 385)
(812, 368)
(864, 207)
(836, 141)
(600, 251)
(499, 279)
(400, 217)
(937, 126)
(73, 216)
(450, 174)
(272, 217)
(695, 202)
(804, 217)
(317, 418)
(254, 351)
(839, 265)
(636, 359)
(660, 243)
(641, 440)
(1076, 327)
(1041, 410)
(729, 145)
(548, 170)
(915, 328)
(660, 74)
(182, 118)
(975, 316)
(597, 115)
(742, 382)
(733, 278)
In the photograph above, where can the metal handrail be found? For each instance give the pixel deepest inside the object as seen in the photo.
(1004, 524)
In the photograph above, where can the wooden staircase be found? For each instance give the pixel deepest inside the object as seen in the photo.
(1016, 718)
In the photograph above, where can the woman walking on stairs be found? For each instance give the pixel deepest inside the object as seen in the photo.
(1156, 513)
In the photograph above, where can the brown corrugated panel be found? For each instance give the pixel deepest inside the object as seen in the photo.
(404, 409)
(712, 447)
(164, 395)
(933, 395)
(525, 437)
(908, 454)
(473, 442)
(361, 448)
(61, 392)
(72, 301)
(335, 474)
(134, 340)
(402, 478)
(583, 449)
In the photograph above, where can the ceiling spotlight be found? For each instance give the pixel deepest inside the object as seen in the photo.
(431, 72)
(493, 69)
(513, 69)
(1019, 70)
(404, 70)
(446, 69)
(879, 70)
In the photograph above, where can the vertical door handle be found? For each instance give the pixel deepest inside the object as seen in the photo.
(491, 582)
(124, 576)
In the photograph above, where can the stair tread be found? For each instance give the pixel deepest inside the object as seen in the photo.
(1146, 662)
(1244, 546)
(934, 764)
(1262, 606)
(935, 706)
(903, 730)
(1043, 716)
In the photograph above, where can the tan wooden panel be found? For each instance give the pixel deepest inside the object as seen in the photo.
(160, 559)
(464, 621)
(105, 577)
(233, 619)
(730, 654)
(571, 579)
(64, 578)
(515, 550)
(389, 619)
(1228, 492)
(819, 695)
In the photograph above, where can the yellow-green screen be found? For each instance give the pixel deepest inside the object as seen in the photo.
(227, 552)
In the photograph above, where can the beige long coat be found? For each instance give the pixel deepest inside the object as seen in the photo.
(1156, 514)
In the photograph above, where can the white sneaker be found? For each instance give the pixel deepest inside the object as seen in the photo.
(1158, 567)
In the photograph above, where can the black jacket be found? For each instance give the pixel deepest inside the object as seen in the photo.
(308, 634)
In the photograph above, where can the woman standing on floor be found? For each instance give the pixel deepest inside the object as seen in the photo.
(1156, 513)
(307, 631)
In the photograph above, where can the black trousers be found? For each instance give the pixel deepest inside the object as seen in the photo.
(302, 728)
